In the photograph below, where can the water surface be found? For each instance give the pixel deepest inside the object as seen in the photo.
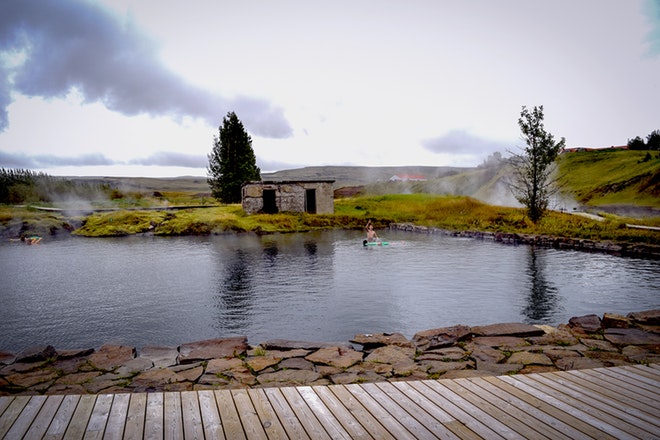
(324, 286)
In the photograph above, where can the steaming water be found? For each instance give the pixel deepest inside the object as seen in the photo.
(139, 291)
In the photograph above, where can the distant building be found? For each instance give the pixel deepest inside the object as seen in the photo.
(270, 197)
(407, 178)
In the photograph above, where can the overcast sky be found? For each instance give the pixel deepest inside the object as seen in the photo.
(139, 88)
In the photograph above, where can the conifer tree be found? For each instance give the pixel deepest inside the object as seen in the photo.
(232, 161)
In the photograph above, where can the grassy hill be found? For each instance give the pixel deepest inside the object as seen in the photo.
(612, 177)
(619, 181)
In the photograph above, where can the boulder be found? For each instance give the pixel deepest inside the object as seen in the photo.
(648, 317)
(212, 348)
(36, 354)
(585, 324)
(612, 320)
(441, 337)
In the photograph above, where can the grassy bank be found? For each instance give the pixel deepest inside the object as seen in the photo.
(455, 213)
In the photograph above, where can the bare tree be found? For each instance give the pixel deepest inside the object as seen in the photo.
(532, 169)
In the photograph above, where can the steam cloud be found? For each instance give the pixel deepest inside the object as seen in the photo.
(51, 47)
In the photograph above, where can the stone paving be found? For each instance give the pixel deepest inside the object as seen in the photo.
(449, 352)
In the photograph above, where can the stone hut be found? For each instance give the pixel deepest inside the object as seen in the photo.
(268, 196)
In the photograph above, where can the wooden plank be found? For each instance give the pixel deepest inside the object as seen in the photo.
(154, 416)
(81, 415)
(248, 414)
(99, 418)
(503, 410)
(624, 382)
(633, 393)
(210, 416)
(415, 418)
(307, 418)
(642, 370)
(341, 413)
(606, 412)
(360, 413)
(474, 418)
(574, 408)
(228, 415)
(60, 422)
(137, 410)
(5, 401)
(529, 405)
(26, 417)
(604, 395)
(266, 413)
(193, 428)
(172, 416)
(333, 426)
(451, 423)
(12, 412)
(114, 429)
(46, 414)
(285, 414)
(537, 401)
(632, 378)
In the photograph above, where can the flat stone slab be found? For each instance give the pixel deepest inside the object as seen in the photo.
(335, 357)
(647, 317)
(371, 340)
(508, 329)
(297, 377)
(161, 356)
(631, 336)
(109, 357)
(285, 344)
(212, 348)
(441, 337)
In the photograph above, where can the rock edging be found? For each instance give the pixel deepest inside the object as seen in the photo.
(645, 250)
(448, 352)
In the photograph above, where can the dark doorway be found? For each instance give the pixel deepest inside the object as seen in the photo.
(270, 204)
(310, 201)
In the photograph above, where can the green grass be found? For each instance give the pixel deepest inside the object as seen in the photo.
(611, 177)
(456, 213)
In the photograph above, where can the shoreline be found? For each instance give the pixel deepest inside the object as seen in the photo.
(587, 341)
(622, 249)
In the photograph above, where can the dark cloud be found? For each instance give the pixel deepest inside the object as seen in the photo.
(23, 161)
(172, 159)
(461, 142)
(69, 43)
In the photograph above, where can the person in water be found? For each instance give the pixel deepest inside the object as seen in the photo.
(371, 234)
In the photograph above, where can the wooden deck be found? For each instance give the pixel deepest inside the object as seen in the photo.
(621, 402)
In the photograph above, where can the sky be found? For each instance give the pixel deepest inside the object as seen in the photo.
(140, 87)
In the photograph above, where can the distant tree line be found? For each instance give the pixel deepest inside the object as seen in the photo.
(652, 142)
(25, 186)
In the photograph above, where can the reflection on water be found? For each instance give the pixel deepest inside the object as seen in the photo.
(233, 300)
(542, 298)
(320, 286)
